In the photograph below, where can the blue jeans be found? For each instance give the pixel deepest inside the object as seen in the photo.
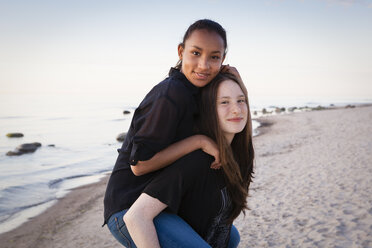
(172, 230)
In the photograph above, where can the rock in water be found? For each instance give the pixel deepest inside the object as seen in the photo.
(14, 135)
(291, 109)
(29, 147)
(14, 153)
(121, 137)
(319, 108)
(24, 148)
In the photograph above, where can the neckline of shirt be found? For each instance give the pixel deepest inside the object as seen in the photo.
(179, 75)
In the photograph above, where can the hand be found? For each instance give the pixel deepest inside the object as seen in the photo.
(210, 147)
(232, 70)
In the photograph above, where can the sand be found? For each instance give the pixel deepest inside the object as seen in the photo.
(312, 188)
(313, 182)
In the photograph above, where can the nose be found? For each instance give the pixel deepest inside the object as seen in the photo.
(236, 108)
(203, 63)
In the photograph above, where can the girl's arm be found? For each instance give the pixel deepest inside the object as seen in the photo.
(177, 150)
(139, 221)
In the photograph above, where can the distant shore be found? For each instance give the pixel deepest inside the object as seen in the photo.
(311, 189)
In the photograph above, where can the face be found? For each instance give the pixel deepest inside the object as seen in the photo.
(202, 57)
(232, 108)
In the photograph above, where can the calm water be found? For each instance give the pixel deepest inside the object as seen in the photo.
(83, 131)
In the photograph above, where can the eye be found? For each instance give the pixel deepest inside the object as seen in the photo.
(195, 53)
(216, 57)
(224, 102)
(241, 101)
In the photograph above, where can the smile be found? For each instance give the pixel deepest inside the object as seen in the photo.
(236, 119)
(201, 75)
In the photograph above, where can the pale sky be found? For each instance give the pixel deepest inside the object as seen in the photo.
(282, 48)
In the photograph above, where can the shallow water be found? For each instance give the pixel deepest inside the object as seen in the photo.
(83, 132)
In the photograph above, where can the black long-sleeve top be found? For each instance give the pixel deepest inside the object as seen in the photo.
(166, 115)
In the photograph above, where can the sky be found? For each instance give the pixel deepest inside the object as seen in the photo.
(308, 49)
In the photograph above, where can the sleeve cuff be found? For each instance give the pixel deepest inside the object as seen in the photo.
(140, 153)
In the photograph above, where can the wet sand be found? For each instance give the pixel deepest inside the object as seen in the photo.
(311, 189)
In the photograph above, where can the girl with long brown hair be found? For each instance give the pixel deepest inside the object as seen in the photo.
(208, 200)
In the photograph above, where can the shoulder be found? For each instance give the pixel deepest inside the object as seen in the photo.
(176, 90)
(170, 89)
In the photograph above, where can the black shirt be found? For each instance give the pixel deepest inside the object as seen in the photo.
(165, 116)
(198, 194)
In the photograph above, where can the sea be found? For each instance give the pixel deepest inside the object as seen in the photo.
(78, 136)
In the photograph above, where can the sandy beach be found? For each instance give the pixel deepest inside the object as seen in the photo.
(312, 188)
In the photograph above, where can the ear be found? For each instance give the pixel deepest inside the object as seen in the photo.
(180, 51)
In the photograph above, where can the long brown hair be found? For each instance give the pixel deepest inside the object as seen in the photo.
(237, 158)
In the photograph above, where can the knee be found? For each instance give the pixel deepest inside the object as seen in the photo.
(129, 217)
(135, 217)
(234, 237)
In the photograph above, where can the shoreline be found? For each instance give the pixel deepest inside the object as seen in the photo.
(76, 219)
(266, 121)
(62, 215)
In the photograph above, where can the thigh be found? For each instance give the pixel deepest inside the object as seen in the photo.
(173, 231)
(119, 230)
(234, 237)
